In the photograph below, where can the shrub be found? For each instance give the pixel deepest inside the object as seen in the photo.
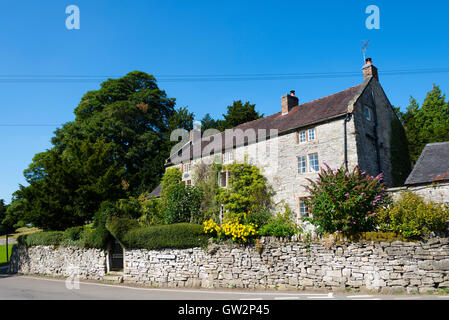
(260, 218)
(345, 201)
(182, 204)
(151, 208)
(179, 236)
(42, 238)
(72, 235)
(172, 177)
(128, 208)
(248, 191)
(95, 238)
(119, 226)
(412, 217)
(281, 225)
(206, 179)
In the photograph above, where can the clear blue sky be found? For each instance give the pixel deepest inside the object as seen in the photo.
(203, 38)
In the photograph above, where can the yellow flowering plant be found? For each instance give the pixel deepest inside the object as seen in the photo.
(231, 229)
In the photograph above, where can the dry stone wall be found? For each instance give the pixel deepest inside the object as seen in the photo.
(377, 266)
(59, 261)
(381, 267)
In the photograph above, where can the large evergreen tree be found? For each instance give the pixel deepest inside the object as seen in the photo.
(428, 123)
(116, 147)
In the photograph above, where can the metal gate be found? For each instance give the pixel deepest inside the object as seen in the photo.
(116, 256)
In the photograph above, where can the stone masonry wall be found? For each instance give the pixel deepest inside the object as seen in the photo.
(377, 266)
(438, 192)
(384, 267)
(59, 261)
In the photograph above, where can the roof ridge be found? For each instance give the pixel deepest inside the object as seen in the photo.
(330, 95)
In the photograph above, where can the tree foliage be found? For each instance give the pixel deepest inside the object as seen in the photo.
(114, 149)
(399, 156)
(236, 114)
(248, 192)
(428, 123)
(67, 188)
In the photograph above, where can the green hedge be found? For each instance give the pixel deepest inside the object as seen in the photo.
(127, 231)
(77, 236)
(41, 238)
(179, 236)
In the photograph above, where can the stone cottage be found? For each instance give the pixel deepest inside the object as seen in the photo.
(350, 128)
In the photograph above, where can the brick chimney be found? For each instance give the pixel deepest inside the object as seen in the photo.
(289, 101)
(195, 134)
(369, 70)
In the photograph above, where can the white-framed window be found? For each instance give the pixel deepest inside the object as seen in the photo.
(303, 209)
(311, 134)
(302, 136)
(189, 182)
(228, 156)
(302, 164)
(306, 135)
(186, 167)
(368, 113)
(314, 165)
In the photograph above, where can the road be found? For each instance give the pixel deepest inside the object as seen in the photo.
(14, 287)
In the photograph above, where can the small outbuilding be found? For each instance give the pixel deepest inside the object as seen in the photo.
(430, 175)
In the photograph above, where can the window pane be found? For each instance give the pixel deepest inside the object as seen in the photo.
(303, 210)
(302, 136)
(301, 164)
(313, 162)
(368, 113)
(311, 134)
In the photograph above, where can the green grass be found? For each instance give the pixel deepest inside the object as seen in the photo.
(20, 231)
(3, 253)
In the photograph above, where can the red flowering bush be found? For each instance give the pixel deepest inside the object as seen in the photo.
(345, 201)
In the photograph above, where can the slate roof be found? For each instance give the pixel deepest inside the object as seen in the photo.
(156, 192)
(299, 116)
(432, 165)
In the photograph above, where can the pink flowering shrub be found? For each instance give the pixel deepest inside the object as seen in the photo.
(345, 201)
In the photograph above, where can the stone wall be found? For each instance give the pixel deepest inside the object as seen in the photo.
(326, 265)
(384, 267)
(59, 261)
(437, 192)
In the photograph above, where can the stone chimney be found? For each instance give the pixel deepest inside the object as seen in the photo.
(289, 101)
(369, 70)
(195, 134)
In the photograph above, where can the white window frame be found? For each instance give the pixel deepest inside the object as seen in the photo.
(311, 162)
(302, 134)
(301, 164)
(228, 156)
(303, 208)
(313, 134)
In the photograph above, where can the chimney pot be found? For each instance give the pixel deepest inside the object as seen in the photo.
(369, 70)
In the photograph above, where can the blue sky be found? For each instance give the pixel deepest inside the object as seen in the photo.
(202, 38)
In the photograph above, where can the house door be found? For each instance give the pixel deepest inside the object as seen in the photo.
(116, 256)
